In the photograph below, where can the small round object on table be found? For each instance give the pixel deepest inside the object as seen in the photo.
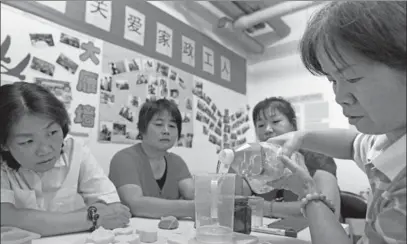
(168, 223)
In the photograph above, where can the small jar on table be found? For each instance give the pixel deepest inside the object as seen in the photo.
(242, 215)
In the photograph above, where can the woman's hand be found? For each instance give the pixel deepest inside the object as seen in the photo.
(112, 216)
(290, 142)
(300, 182)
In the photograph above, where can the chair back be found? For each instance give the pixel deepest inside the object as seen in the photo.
(352, 206)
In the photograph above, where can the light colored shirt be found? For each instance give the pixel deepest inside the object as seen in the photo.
(77, 179)
(385, 165)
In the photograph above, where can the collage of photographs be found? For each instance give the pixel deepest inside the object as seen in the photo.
(46, 69)
(43, 40)
(225, 130)
(127, 84)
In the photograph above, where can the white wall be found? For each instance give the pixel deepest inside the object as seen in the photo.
(287, 77)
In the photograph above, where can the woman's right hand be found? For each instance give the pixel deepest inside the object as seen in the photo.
(112, 216)
(290, 142)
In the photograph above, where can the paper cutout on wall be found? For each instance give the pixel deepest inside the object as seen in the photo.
(87, 82)
(85, 115)
(16, 70)
(134, 26)
(90, 52)
(99, 14)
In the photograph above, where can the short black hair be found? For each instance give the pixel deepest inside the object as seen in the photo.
(374, 29)
(22, 98)
(151, 108)
(279, 103)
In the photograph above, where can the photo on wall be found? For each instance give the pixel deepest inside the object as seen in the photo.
(42, 40)
(42, 66)
(134, 64)
(122, 85)
(142, 79)
(105, 131)
(117, 67)
(69, 40)
(134, 101)
(67, 63)
(61, 89)
(106, 82)
(106, 98)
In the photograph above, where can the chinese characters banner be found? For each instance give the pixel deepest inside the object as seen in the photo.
(141, 26)
(135, 26)
(164, 40)
(188, 51)
(99, 14)
(208, 64)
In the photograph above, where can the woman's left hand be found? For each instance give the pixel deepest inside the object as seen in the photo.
(299, 182)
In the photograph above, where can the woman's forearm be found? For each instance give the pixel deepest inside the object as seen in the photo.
(152, 207)
(282, 209)
(324, 225)
(327, 184)
(337, 143)
(44, 223)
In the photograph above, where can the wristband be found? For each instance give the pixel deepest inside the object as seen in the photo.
(315, 197)
(93, 216)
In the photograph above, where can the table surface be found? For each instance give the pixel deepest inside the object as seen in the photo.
(184, 231)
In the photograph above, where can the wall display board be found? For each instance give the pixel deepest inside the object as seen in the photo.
(104, 60)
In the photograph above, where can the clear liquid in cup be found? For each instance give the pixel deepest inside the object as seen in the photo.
(214, 234)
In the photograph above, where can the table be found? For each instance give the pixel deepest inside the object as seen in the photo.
(185, 229)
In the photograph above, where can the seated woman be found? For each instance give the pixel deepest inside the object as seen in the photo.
(275, 116)
(43, 176)
(151, 181)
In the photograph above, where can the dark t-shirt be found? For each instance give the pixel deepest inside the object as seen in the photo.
(131, 166)
(313, 161)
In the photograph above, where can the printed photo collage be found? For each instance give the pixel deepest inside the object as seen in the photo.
(46, 40)
(47, 67)
(129, 83)
(225, 130)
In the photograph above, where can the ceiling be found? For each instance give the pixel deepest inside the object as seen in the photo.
(261, 26)
(259, 30)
